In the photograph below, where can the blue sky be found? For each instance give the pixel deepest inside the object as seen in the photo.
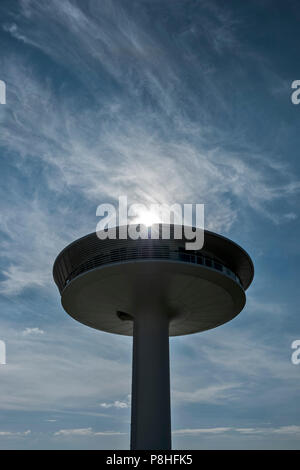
(163, 101)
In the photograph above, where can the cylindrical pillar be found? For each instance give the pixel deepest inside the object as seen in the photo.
(150, 406)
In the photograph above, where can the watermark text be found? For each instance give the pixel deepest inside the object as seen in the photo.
(2, 92)
(137, 221)
(2, 352)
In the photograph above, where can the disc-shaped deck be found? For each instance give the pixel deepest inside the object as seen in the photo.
(104, 283)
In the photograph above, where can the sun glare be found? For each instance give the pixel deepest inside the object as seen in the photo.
(147, 218)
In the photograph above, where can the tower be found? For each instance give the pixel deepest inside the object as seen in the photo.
(152, 289)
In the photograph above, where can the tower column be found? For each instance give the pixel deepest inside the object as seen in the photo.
(150, 412)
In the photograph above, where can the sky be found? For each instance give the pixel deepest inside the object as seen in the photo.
(164, 101)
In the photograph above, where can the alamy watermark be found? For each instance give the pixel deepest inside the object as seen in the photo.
(2, 352)
(295, 358)
(2, 92)
(295, 96)
(137, 221)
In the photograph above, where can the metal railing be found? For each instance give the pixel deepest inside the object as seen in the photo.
(158, 252)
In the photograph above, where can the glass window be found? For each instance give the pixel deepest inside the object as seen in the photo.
(184, 257)
(218, 266)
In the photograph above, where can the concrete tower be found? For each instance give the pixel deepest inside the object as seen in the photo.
(152, 289)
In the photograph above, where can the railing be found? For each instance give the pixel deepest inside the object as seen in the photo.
(121, 254)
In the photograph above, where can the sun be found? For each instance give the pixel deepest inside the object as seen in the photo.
(147, 218)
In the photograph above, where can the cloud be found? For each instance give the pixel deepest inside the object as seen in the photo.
(129, 157)
(219, 430)
(115, 404)
(12, 28)
(210, 394)
(105, 99)
(292, 430)
(248, 356)
(64, 370)
(284, 430)
(287, 430)
(29, 245)
(145, 125)
(32, 331)
(14, 434)
(237, 365)
(86, 432)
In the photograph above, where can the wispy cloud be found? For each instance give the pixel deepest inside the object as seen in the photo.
(196, 431)
(14, 433)
(284, 430)
(86, 432)
(63, 371)
(210, 394)
(163, 105)
(145, 126)
(32, 331)
(116, 404)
